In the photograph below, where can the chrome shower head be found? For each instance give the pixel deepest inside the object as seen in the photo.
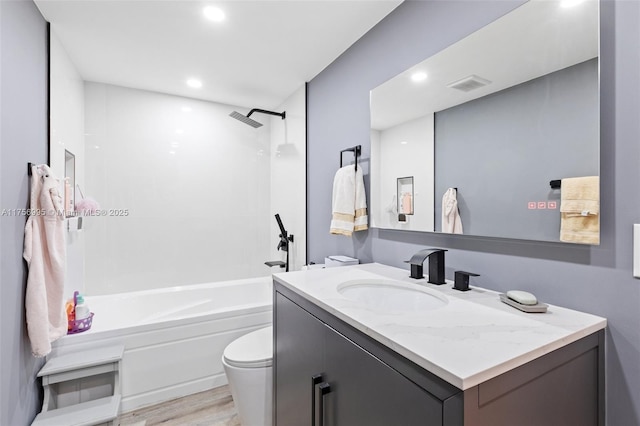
(251, 122)
(245, 119)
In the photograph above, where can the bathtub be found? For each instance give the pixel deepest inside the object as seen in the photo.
(173, 338)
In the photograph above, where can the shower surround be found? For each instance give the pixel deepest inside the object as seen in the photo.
(185, 191)
(188, 194)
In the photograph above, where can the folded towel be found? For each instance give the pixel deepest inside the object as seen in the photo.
(580, 210)
(45, 253)
(451, 221)
(580, 196)
(349, 203)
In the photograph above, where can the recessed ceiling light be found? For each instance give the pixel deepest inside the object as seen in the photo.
(570, 3)
(404, 143)
(213, 13)
(419, 76)
(195, 83)
(186, 109)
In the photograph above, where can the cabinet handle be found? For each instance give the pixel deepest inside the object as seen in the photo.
(324, 389)
(315, 381)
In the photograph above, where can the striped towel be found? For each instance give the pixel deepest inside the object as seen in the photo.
(349, 203)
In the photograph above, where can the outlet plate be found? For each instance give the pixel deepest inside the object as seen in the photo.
(636, 250)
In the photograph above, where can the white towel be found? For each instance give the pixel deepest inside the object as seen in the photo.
(451, 221)
(349, 203)
(45, 253)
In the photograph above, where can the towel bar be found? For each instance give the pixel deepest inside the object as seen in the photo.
(356, 151)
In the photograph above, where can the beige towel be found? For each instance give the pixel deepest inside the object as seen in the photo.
(45, 253)
(349, 203)
(580, 210)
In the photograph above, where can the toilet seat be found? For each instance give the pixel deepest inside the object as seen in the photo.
(253, 350)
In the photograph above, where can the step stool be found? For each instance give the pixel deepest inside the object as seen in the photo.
(74, 366)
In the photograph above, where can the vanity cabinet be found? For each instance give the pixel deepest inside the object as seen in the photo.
(327, 373)
(323, 378)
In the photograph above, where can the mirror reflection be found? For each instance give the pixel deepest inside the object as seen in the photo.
(485, 125)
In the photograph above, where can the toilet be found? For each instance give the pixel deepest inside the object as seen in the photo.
(247, 364)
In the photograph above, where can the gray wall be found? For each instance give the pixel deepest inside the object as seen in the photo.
(502, 150)
(594, 279)
(23, 138)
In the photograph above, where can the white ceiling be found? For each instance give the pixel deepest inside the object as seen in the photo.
(535, 39)
(259, 55)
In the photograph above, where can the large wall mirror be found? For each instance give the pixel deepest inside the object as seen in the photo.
(499, 132)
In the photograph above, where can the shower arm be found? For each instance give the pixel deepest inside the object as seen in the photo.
(264, 111)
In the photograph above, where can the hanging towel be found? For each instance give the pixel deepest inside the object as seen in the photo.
(580, 210)
(45, 253)
(451, 221)
(349, 203)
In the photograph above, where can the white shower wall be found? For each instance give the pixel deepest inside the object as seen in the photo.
(185, 187)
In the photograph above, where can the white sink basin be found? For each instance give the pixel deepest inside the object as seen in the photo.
(391, 296)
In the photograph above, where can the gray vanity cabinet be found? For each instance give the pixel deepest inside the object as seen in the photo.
(322, 365)
(360, 389)
(299, 356)
(365, 391)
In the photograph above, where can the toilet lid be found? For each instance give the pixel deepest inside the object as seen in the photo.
(251, 350)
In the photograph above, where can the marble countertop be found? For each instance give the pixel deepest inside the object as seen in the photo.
(474, 337)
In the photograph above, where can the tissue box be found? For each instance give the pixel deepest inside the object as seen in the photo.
(332, 261)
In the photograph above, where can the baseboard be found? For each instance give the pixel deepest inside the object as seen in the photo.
(158, 396)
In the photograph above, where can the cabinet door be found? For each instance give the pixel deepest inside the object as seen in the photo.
(367, 392)
(299, 355)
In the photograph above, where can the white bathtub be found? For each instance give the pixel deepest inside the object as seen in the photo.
(173, 337)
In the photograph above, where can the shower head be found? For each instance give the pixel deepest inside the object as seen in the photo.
(245, 119)
(251, 122)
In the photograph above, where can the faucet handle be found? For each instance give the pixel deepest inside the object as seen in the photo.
(461, 281)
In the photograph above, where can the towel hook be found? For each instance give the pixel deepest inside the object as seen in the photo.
(356, 151)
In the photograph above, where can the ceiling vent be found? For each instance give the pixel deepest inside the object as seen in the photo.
(469, 83)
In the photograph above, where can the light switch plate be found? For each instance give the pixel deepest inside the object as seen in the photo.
(636, 250)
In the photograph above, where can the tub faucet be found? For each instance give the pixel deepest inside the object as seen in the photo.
(283, 244)
(436, 265)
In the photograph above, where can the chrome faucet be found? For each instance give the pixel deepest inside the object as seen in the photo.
(436, 265)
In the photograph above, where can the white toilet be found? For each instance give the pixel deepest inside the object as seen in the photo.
(247, 364)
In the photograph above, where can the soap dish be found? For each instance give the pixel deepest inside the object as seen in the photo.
(537, 308)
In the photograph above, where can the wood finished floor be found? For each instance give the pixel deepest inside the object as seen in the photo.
(210, 408)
